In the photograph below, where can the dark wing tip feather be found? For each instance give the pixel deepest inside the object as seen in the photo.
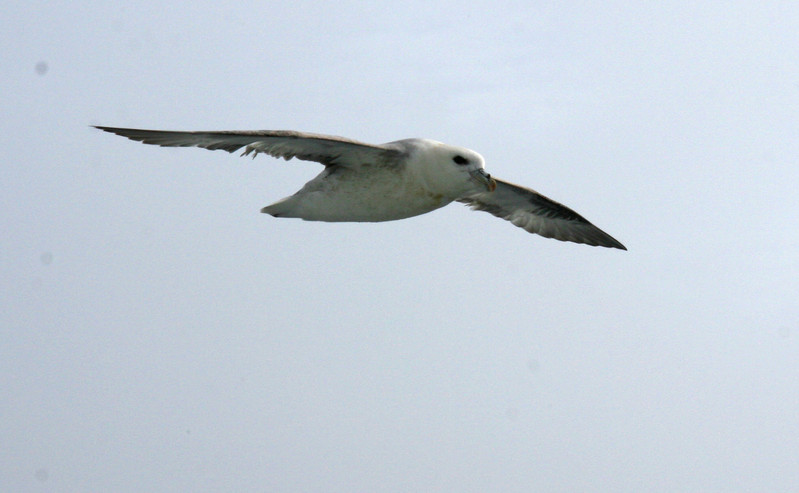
(167, 138)
(540, 215)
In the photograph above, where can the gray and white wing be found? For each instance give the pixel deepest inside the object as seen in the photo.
(325, 149)
(537, 214)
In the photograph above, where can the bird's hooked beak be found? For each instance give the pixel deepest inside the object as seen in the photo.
(483, 178)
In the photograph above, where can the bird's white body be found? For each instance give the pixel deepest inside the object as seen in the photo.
(340, 195)
(374, 192)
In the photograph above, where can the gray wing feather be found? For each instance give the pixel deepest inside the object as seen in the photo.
(325, 149)
(537, 214)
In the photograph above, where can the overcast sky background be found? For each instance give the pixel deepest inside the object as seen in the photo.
(157, 333)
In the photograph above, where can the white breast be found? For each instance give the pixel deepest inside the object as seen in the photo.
(366, 195)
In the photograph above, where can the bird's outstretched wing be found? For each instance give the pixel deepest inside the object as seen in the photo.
(325, 149)
(537, 214)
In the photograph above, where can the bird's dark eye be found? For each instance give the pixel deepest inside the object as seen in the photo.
(460, 160)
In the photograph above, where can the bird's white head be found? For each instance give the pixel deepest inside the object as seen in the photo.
(449, 170)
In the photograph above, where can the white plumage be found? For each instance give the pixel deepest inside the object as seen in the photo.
(369, 183)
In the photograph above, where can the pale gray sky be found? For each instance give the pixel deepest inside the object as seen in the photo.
(157, 333)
